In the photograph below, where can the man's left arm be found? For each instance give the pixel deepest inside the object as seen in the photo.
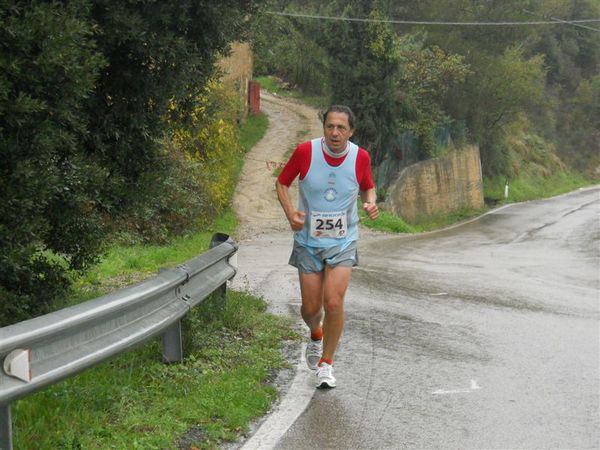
(366, 185)
(369, 199)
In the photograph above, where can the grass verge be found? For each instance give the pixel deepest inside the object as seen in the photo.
(137, 402)
(533, 187)
(392, 223)
(253, 130)
(124, 265)
(387, 222)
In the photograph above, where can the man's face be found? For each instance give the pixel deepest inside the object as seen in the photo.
(337, 131)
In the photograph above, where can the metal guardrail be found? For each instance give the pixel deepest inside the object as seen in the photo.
(42, 351)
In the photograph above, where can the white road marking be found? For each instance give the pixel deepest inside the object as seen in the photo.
(474, 387)
(292, 405)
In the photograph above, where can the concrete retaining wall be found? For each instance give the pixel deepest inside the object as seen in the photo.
(438, 186)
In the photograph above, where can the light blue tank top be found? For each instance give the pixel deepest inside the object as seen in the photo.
(328, 196)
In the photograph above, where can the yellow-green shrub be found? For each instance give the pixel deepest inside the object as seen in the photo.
(191, 182)
(529, 152)
(209, 141)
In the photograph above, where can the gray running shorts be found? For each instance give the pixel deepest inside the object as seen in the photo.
(314, 259)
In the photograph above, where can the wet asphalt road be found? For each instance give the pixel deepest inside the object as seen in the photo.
(482, 336)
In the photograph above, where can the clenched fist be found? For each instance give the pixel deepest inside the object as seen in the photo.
(371, 210)
(297, 220)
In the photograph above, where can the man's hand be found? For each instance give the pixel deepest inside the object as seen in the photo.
(371, 210)
(297, 220)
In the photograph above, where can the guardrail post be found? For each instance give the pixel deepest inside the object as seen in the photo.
(5, 428)
(221, 291)
(172, 346)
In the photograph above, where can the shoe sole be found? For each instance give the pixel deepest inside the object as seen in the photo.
(326, 385)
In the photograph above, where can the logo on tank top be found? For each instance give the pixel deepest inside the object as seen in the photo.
(331, 181)
(330, 194)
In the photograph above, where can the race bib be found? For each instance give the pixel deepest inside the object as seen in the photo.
(328, 224)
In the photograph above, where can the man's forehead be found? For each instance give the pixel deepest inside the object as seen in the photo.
(336, 117)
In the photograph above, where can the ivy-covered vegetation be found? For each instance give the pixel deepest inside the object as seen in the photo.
(111, 124)
(416, 88)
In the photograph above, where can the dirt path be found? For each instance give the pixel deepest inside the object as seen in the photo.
(255, 201)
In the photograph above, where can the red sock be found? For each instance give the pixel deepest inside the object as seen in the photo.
(325, 360)
(317, 335)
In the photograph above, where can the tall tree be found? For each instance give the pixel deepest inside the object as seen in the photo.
(365, 61)
(396, 84)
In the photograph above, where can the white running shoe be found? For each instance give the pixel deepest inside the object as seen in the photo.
(314, 351)
(325, 378)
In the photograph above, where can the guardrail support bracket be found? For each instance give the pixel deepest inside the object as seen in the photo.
(17, 364)
(172, 346)
(5, 428)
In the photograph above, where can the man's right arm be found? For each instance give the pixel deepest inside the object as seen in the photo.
(294, 217)
(296, 166)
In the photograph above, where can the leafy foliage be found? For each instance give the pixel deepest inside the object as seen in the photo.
(549, 63)
(85, 86)
(426, 77)
(508, 85)
(471, 80)
(365, 63)
(297, 58)
(157, 51)
(394, 84)
(579, 127)
(208, 143)
(48, 218)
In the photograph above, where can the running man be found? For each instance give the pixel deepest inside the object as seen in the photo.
(332, 172)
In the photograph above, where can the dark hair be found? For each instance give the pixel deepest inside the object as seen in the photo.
(341, 109)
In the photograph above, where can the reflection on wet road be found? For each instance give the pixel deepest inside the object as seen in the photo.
(481, 336)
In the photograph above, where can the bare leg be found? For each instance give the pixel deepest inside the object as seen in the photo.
(335, 283)
(311, 287)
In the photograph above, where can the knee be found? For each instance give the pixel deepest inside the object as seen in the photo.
(334, 305)
(311, 309)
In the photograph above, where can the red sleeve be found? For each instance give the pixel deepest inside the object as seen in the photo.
(363, 170)
(298, 164)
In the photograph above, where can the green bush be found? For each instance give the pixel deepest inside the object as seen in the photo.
(170, 203)
(48, 220)
(84, 89)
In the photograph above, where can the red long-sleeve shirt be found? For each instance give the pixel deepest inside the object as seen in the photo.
(299, 164)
